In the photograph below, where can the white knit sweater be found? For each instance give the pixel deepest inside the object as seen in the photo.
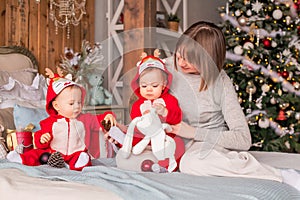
(215, 113)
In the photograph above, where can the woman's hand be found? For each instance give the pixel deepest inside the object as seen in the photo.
(111, 119)
(184, 130)
(45, 138)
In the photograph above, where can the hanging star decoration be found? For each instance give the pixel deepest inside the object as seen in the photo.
(257, 6)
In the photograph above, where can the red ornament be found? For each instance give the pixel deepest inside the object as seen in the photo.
(267, 43)
(285, 74)
(297, 5)
(146, 165)
(44, 158)
(281, 116)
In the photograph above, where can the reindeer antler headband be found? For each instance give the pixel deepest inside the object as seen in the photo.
(150, 61)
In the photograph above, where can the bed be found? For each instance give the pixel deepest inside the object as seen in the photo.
(22, 94)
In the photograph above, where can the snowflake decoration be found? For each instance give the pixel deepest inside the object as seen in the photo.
(257, 6)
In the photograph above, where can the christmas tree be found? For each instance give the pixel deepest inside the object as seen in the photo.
(263, 62)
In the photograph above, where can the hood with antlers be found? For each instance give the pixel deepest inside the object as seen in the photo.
(56, 83)
(148, 61)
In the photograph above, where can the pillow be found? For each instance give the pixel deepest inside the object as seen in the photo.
(24, 76)
(6, 120)
(15, 92)
(26, 115)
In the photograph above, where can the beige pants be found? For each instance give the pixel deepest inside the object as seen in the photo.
(134, 162)
(205, 160)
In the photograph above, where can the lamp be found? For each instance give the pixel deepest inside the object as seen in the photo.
(65, 13)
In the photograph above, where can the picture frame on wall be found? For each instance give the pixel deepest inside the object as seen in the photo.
(161, 19)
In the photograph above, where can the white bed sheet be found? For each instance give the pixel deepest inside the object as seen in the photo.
(278, 159)
(15, 184)
(104, 181)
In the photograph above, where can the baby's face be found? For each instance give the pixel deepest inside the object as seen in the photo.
(68, 103)
(152, 84)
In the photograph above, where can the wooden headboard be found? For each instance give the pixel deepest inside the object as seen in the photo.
(8, 61)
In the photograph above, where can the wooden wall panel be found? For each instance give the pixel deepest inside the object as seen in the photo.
(138, 14)
(2, 22)
(136, 17)
(26, 23)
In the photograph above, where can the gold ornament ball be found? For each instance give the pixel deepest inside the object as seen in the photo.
(240, 100)
(251, 88)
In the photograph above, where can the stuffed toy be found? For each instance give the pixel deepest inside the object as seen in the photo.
(149, 124)
(98, 94)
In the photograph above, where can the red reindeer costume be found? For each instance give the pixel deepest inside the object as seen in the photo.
(174, 115)
(70, 137)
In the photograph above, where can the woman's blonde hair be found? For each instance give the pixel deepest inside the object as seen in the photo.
(203, 45)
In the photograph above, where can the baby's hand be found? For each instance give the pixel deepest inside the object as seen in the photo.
(45, 138)
(160, 109)
(110, 139)
(111, 119)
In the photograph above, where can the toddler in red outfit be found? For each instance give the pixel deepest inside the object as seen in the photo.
(66, 130)
(151, 85)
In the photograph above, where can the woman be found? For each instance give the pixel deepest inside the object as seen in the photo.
(212, 116)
